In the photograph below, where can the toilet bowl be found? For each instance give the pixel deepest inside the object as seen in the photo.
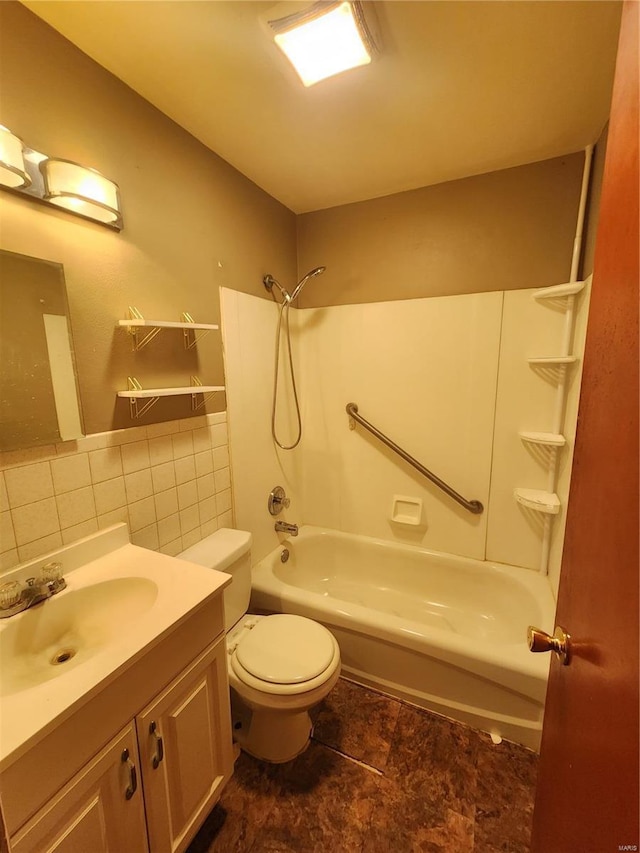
(279, 666)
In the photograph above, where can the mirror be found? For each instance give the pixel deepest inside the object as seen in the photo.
(39, 401)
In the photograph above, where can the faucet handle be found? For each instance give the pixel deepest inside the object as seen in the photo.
(51, 572)
(278, 501)
(9, 594)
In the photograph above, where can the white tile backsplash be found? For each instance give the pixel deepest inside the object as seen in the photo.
(182, 445)
(7, 536)
(160, 450)
(39, 546)
(158, 479)
(135, 457)
(138, 485)
(109, 495)
(163, 477)
(142, 514)
(71, 472)
(189, 519)
(75, 507)
(185, 469)
(204, 463)
(219, 435)
(169, 529)
(4, 497)
(105, 464)
(29, 483)
(220, 457)
(222, 479)
(166, 503)
(187, 494)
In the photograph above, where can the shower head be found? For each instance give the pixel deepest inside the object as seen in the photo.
(303, 281)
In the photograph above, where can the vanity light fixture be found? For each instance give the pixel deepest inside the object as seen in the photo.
(63, 183)
(12, 169)
(324, 39)
(81, 190)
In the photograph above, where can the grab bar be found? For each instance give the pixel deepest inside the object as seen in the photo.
(473, 506)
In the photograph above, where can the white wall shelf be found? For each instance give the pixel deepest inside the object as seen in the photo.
(537, 500)
(558, 290)
(553, 360)
(188, 325)
(550, 439)
(136, 392)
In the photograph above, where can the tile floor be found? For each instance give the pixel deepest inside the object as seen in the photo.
(379, 776)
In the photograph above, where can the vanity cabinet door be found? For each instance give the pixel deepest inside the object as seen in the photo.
(186, 751)
(100, 810)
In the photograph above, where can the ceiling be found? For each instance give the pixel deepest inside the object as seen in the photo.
(458, 89)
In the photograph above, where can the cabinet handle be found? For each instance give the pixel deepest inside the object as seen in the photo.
(157, 758)
(133, 778)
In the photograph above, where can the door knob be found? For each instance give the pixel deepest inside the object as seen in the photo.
(559, 643)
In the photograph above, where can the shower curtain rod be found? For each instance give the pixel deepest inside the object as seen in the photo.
(472, 506)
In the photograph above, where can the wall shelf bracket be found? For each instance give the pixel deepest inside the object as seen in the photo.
(189, 335)
(137, 409)
(137, 322)
(198, 404)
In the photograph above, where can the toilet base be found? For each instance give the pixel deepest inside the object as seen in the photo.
(271, 736)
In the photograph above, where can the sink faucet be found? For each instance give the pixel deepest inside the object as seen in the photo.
(14, 598)
(283, 527)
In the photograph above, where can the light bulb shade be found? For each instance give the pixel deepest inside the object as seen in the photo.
(325, 41)
(12, 169)
(81, 190)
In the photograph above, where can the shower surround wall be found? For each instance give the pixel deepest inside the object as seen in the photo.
(445, 377)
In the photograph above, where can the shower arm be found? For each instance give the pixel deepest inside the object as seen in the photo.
(474, 507)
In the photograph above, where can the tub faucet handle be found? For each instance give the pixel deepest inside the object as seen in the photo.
(278, 500)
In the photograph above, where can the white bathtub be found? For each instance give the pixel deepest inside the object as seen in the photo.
(446, 633)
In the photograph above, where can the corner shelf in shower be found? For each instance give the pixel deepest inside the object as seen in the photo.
(553, 361)
(551, 439)
(188, 325)
(537, 500)
(558, 290)
(136, 392)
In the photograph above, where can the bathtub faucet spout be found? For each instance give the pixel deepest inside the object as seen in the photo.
(283, 527)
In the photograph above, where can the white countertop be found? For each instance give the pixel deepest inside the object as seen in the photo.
(27, 714)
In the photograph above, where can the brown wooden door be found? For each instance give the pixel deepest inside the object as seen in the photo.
(587, 794)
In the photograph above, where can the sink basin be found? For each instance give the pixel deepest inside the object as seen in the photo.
(54, 637)
(120, 602)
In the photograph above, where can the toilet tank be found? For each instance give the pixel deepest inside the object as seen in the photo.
(228, 551)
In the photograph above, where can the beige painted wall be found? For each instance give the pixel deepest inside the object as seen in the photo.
(191, 222)
(500, 231)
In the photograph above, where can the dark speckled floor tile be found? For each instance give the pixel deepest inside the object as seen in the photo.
(444, 788)
(404, 821)
(435, 759)
(504, 797)
(358, 722)
(234, 823)
(325, 804)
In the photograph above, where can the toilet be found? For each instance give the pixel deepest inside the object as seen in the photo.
(279, 666)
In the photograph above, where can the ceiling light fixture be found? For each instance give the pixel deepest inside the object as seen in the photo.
(63, 183)
(324, 39)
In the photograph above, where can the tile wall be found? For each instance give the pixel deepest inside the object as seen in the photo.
(169, 482)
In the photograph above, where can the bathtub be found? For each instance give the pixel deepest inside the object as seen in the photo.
(446, 633)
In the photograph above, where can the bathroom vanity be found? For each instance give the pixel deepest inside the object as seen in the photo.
(130, 748)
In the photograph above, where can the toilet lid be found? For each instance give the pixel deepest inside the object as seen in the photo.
(286, 649)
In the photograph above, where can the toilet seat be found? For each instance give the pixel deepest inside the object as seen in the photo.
(286, 649)
(285, 654)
